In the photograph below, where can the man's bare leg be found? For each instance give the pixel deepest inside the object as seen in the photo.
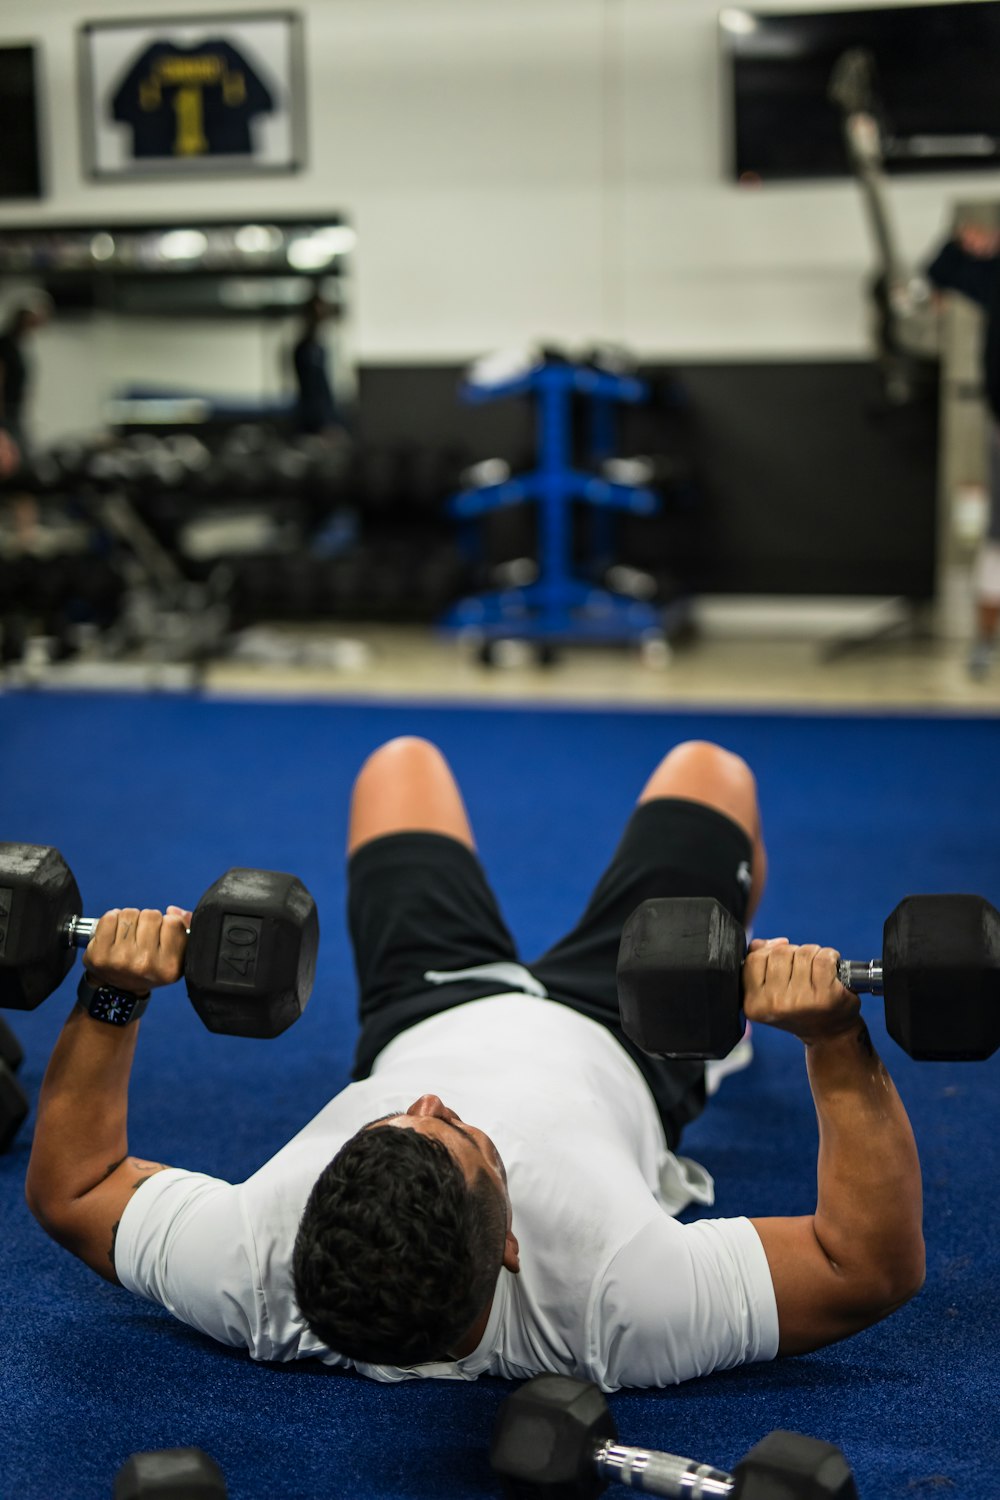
(699, 771)
(406, 785)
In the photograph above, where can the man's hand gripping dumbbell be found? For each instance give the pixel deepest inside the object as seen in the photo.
(249, 961)
(247, 954)
(128, 954)
(683, 983)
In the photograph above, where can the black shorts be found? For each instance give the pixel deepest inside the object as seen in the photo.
(420, 903)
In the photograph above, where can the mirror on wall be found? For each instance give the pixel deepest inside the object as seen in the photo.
(190, 323)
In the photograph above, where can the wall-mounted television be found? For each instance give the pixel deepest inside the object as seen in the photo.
(936, 74)
(20, 155)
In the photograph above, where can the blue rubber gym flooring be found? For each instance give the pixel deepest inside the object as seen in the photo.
(151, 798)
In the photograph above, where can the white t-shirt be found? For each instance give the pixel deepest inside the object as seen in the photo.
(611, 1288)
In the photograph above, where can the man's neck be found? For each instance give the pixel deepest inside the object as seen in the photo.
(470, 1342)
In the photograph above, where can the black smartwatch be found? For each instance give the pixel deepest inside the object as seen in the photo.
(105, 1003)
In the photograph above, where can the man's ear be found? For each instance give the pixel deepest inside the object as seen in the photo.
(511, 1253)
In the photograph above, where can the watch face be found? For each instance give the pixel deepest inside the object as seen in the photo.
(114, 1006)
(105, 1003)
(110, 1005)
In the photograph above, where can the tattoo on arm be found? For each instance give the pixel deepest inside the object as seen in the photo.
(141, 1172)
(142, 1176)
(146, 1173)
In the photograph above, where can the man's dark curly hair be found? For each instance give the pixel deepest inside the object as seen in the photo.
(396, 1255)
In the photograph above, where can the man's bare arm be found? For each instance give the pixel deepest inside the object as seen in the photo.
(80, 1175)
(860, 1255)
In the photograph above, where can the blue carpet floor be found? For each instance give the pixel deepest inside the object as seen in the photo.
(151, 798)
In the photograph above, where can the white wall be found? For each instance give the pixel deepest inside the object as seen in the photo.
(525, 169)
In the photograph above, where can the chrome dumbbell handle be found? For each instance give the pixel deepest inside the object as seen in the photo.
(863, 979)
(78, 931)
(661, 1473)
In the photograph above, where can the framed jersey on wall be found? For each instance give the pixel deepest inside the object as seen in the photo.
(192, 95)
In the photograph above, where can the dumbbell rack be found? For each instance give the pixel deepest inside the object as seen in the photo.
(556, 607)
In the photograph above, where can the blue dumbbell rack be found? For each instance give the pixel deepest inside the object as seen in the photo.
(556, 606)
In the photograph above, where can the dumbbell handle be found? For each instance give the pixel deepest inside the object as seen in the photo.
(78, 931)
(863, 979)
(661, 1473)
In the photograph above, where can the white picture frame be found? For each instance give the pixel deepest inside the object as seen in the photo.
(189, 96)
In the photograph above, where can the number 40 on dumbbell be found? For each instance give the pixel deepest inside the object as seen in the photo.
(250, 960)
(680, 966)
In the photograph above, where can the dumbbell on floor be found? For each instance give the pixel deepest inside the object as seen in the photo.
(13, 1099)
(14, 1105)
(555, 1437)
(170, 1474)
(680, 969)
(250, 959)
(11, 1051)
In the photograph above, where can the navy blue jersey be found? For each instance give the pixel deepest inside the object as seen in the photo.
(191, 101)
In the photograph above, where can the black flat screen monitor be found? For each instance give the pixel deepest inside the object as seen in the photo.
(20, 164)
(936, 72)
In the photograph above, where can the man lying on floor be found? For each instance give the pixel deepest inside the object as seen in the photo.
(497, 1192)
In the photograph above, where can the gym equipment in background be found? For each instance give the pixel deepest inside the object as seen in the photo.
(555, 607)
(907, 322)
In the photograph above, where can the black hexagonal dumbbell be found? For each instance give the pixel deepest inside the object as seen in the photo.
(11, 1051)
(13, 1099)
(14, 1106)
(680, 967)
(170, 1474)
(555, 1439)
(250, 960)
